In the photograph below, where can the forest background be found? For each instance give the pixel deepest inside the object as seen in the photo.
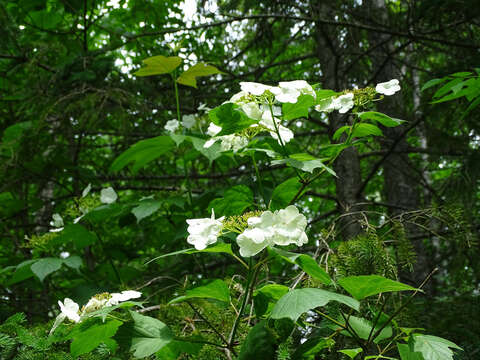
(70, 104)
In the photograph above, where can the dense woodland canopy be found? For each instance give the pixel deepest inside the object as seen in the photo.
(404, 204)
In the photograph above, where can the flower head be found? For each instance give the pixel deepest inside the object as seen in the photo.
(188, 121)
(213, 129)
(282, 227)
(343, 103)
(254, 88)
(68, 310)
(388, 88)
(108, 195)
(172, 125)
(204, 232)
(289, 91)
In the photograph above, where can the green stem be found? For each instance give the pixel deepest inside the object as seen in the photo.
(231, 339)
(209, 324)
(259, 179)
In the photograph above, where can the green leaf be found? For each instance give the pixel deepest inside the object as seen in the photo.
(407, 354)
(259, 343)
(88, 335)
(146, 208)
(216, 289)
(22, 272)
(363, 327)
(351, 353)
(76, 234)
(74, 262)
(306, 263)
(284, 193)
(324, 94)
(211, 153)
(305, 165)
(143, 152)
(234, 201)
(45, 19)
(362, 130)
(364, 286)
(299, 109)
(189, 77)
(175, 348)
(447, 87)
(340, 131)
(150, 335)
(157, 65)
(230, 118)
(266, 297)
(383, 119)
(431, 83)
(311, 347)
(44, 267)
(296, 302)
(433, 347)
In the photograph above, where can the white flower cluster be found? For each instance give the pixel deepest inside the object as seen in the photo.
(228, 142)
(188, 121)
(69, 309)
(282, 227)
(344, 103)
(249, 102)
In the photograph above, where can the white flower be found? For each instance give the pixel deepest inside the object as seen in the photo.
(388, 88)
(204, 232)
(95, 303)
(108, 196)
(285, 133)
(232, 142)
(289, 91)
(69, 309)
(258, 236)
(57, 220)
(290, 227)
(252, 110)
(213, 129)
(239, 98)
(203, 107)
(188, 121)
(326, 105)
(254, 88)
(343, 103)
(283, 227)
(117, 298)
(86, 190)
(172, 125)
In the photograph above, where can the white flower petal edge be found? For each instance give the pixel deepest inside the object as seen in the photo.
(388, 88)
(204, 232)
